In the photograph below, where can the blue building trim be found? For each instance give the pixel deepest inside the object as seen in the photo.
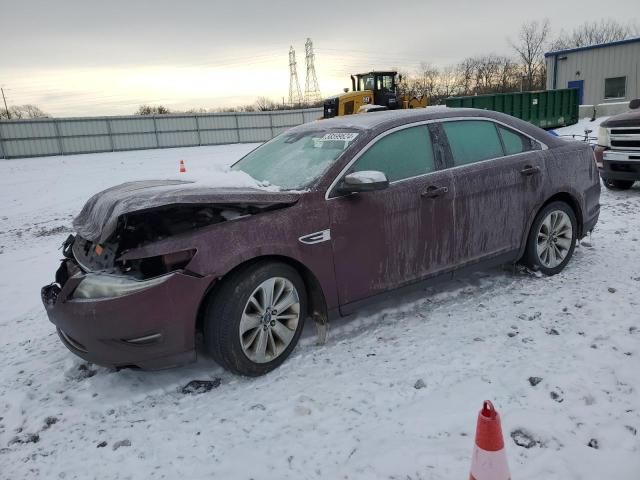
(592, 47)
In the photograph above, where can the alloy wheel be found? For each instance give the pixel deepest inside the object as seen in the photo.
(555, 236)
(269, 320)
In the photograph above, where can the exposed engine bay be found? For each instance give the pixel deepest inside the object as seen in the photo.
(139, 228)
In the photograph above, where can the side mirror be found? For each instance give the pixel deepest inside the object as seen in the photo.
(363, 181)
(635, 103)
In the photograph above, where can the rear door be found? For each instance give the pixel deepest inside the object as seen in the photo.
(388, 238)
(497, 173)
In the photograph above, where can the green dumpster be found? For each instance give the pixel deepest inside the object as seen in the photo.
(544, 108)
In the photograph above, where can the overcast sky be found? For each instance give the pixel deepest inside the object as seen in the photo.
(89, 57)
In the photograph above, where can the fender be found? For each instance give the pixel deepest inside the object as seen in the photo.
(561, 194)
(224, 246)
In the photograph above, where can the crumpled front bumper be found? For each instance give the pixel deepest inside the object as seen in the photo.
(151, 329)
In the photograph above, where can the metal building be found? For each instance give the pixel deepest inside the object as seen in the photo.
(608, 72)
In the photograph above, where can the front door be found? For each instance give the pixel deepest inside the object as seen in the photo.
(579, 84)
(392, 237)
(498, 176)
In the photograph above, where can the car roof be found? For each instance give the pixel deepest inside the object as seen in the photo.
(376, 122)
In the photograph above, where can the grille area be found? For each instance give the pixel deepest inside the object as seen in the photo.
(625, 138)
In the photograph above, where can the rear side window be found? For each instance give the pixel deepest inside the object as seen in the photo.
(472, 141)
(402, 154)
(514, 142)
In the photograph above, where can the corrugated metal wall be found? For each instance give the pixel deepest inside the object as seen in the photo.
(65, 136)
(593, 66)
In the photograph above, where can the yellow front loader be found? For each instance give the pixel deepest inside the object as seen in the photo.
(372, 91)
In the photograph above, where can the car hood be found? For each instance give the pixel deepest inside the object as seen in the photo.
(627, 119)
(98, 218)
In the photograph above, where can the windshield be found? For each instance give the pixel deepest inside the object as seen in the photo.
(295, 160)
(365, 82)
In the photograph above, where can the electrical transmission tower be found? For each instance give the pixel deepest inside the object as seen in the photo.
(311, 89)
(295, 96)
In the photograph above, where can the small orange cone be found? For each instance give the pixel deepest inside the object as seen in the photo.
(489, 458)
(183, 169)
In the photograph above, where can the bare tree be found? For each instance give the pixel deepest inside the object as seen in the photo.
(23, 111)
(429, 76)
(448, 81)
(509, 74)
(466, 75)
(407, 83)
(530, 46)
(152, 110)
(487, 74)
(264, 104)
(592, 33)
(482, 74)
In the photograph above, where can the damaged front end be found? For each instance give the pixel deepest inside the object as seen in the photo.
(137, 313)
(106, 275)
(107, 268)
(116, 309)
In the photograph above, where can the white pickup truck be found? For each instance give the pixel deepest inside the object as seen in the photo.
(618, 150)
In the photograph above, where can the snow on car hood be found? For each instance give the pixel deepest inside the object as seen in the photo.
(98, 218)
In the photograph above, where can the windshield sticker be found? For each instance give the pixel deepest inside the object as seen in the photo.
(345, 137)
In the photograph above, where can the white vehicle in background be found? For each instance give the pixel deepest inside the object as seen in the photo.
(618, 149)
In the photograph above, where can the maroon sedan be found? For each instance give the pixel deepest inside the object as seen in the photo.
(365, 204)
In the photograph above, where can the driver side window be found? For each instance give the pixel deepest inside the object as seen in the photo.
(403, 154)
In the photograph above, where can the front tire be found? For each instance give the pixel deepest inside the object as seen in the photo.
(617, 184)
(552, 239)
(254, 319)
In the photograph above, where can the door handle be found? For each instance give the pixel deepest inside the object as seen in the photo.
(434, 191)
(528, 170)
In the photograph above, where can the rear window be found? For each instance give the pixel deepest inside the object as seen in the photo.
(514, 142)
(472, 141)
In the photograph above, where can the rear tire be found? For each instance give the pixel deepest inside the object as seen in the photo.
(552, 239)
(618, 184)
(255, 317)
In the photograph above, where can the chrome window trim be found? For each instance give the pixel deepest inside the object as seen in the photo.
(333, 184)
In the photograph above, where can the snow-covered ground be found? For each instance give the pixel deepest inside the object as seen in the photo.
(349, 409)
(579, 130)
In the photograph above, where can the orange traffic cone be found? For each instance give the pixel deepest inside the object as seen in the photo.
(489, 458)
(183, 169)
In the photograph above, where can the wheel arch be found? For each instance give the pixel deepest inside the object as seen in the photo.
(570, 200)
(563, 196)
(316, 300)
